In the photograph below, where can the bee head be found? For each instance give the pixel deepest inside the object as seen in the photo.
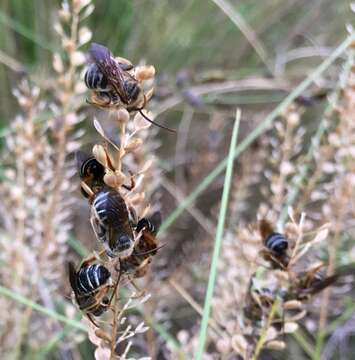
(122, 247)
(91, 167)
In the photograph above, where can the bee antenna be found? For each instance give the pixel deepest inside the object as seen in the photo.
(150, 251)
(156, 124)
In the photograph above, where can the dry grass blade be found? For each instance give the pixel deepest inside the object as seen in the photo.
(247, 31)
(258, 131)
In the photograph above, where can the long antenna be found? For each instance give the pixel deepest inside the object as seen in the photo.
(149, 251)
(159, 125)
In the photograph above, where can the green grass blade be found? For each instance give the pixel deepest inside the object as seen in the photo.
(45, 311)
(218, 239)
(257, 131)
(79, 248)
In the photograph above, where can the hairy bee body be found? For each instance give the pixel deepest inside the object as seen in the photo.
(91, 172)
(111, 221)
(276, 242)
(91, 277)
(90, 286)
(151, 224)
(275, 245)
(112, 83)
(146, 247)
(110, 79)
(95, 79)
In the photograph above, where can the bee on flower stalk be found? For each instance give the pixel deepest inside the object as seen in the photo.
(113, 84)
(111, 219)
(91, 172)
(312, 281)
(146, 247)
(90, 285)
(112, 222)
(275, 246)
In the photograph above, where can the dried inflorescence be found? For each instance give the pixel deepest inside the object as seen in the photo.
(37, 188)
(113, 181)
(253, 310)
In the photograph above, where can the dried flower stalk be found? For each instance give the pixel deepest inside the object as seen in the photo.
(124, 168)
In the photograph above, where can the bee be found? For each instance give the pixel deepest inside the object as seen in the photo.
(258, 304)
(151, 224)
(91, 172)
(112, 222)
(112, 83)
(90, 285)
(146, 247)
(110, 217)
(314, 280)
(275, 246)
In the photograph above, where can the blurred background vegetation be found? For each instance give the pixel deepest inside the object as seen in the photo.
(209, 59)
(176, 35)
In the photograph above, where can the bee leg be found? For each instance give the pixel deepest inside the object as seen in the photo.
(132, 185)
(90, 259)
(86, 189)
(116, 284)
(92, 320)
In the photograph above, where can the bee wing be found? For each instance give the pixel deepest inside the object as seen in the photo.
(72, 275)
(105, 61)
(156, 220)
(98, 228)
(265, 228)
(340, 273)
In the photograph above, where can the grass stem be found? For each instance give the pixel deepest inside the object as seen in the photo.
(218, 239)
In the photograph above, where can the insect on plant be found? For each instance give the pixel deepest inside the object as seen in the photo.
(146, 247)
(110, 217)
(113, 84)
(90, 285)
(275, 246)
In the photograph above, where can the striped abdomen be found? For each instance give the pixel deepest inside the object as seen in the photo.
(111, 222)
(91, 277)
(150, 224)
(111, 209)
(276, 242)
(95, 79)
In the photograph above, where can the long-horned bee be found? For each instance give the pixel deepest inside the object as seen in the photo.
(146, 247)
(275, 245)
(110, 217)
(314, 280)
(112, 222)
(112, 83)
(91, 172)
(90, 285)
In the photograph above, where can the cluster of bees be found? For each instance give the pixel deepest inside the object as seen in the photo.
(298, 286)
(129, 243)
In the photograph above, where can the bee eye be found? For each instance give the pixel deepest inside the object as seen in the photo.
(105, 300)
